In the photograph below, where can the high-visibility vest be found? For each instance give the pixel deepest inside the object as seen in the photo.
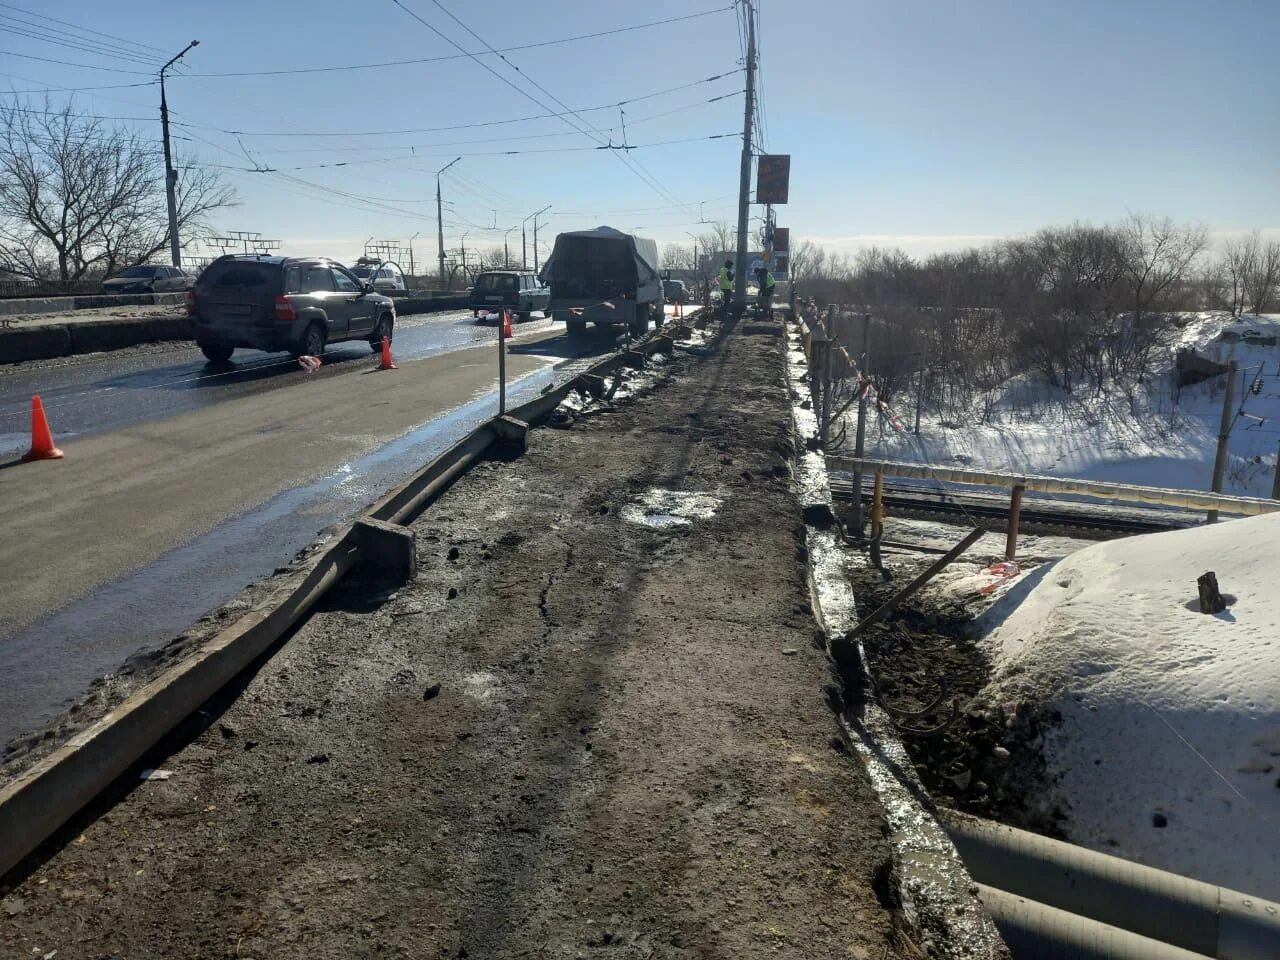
(769, 281)
(726, 278)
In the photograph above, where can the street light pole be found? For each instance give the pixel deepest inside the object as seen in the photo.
(535, 236)
(506, 252)
(440, 217)
(170, 174)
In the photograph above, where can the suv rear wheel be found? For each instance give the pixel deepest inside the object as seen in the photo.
(312, 343)
(217, 352)
(385, 328)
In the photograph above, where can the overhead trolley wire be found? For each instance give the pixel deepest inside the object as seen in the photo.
(459, 56)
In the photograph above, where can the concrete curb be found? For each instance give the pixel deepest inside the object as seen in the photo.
(39, 801)
(43, 341)
(26, 306)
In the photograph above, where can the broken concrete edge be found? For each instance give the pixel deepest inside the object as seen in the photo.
(40, 800)
(938, 896)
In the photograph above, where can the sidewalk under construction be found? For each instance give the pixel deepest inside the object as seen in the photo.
(598, 717)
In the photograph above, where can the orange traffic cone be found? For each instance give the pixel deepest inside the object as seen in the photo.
(387, 363)
(679, 315)
(42, 447)
(506, 325)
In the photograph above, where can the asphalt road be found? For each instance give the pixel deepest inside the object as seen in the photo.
(184, 482)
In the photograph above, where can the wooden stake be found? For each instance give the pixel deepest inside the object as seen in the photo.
(906, 592)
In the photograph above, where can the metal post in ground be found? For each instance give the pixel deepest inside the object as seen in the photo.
(1015, 514)
(739, 299)
(861, 437)
(1275, 484)
(877, 518)
(502, 364)
(1224, 434)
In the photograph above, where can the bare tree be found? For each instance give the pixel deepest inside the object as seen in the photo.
(1160, 255)
(77, 197)
(1262, 279)
(1240, 256)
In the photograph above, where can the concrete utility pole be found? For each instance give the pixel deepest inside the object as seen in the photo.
(440, 216)
(744, 177)
(1224, 433)
(534, 217)
(170, 174)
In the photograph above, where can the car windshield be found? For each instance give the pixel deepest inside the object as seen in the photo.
(495, 281)
(361, 271)
(137, 272)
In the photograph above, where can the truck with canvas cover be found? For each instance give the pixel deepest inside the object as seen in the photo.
(606, 277)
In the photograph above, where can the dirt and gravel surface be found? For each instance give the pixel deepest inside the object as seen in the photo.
(597, 723)
(925, 657)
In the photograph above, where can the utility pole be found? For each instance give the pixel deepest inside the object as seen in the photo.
(170, 174)
(744, 177)
(1224, 433)
(440, 217)
(524, 259)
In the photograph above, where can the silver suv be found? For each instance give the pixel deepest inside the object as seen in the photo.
(297, 304)
(149, 278)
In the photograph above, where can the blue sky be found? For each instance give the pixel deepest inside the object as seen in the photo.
(925, 124)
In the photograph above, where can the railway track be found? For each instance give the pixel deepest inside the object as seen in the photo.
(904, 499)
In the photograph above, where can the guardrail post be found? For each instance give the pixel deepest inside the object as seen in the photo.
(1015, 513)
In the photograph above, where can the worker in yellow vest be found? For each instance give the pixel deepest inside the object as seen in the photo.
(726, 287)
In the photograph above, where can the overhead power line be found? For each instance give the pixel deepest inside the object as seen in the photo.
(79, 29)
(458, 56)
(86, 66)
(551, 115)
(596, 136)
(62, 39)
(501, 153)
(111, 86)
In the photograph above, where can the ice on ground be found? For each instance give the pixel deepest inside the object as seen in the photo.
(1164, 437)
(1169, 746)
(671, 508)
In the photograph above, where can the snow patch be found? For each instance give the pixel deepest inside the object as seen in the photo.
(1169, 747)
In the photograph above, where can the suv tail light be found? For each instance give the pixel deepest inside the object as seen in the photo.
(191, 303)
(285, 309)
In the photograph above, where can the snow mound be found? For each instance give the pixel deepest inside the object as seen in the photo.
(1169, 747)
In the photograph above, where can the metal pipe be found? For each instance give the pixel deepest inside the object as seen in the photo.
(1034, 931)
(1205, 919)
(1015, 512)
(1193, 499)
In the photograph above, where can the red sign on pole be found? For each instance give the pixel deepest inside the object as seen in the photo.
(773, 175)
(781, 239)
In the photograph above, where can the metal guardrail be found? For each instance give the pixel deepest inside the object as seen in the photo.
(1161, 496)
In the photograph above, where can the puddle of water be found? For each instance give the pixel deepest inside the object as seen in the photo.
(51, 662)
(671, 508)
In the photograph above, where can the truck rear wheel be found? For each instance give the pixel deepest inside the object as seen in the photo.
(639, 325)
